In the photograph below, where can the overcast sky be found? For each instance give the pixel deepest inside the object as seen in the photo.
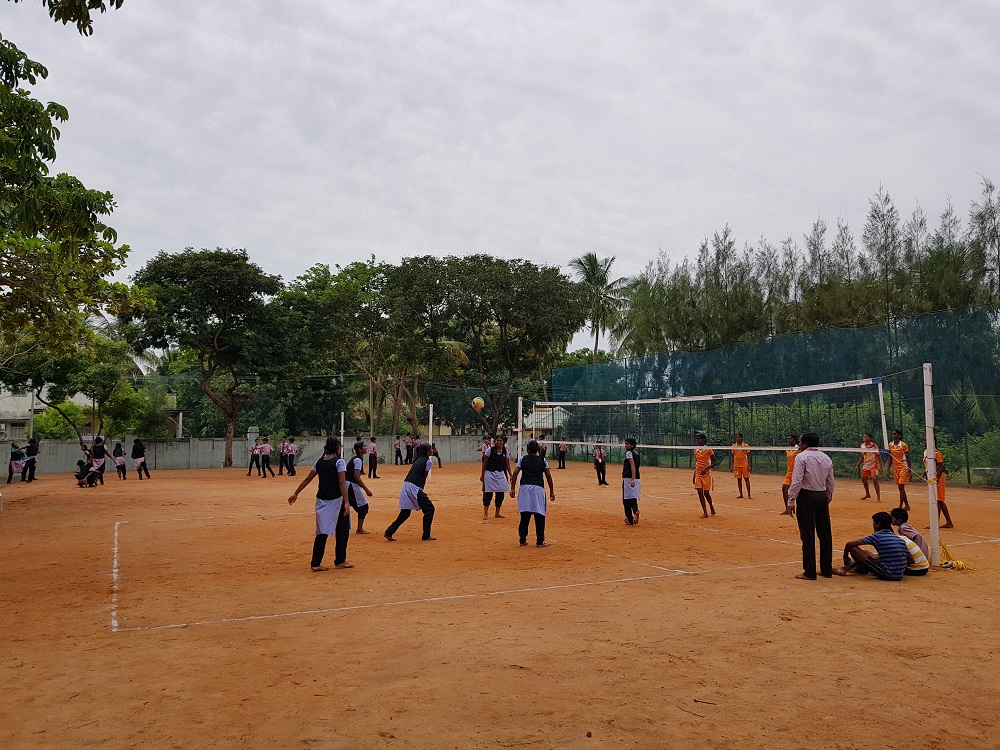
(326, 132)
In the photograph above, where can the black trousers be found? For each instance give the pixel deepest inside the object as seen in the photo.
(399, 457)
(265, 464)
(562, 459)
(602, 472)
(122, 471)
(352, 498)
(254, 461)
(143, 468)
(426, 506)
(812, 512)
(281, 463)
(28, 472)
(487, 496)
(522, 528)
(631, 506)
(290, 463)
(373, 465)
(342, 535)
(409, 454)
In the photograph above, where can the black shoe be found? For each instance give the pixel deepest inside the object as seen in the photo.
(524, 542)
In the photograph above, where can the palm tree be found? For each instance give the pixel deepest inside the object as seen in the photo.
(604, 295)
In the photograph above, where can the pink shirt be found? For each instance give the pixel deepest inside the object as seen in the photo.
(372, 449)
(813, 471)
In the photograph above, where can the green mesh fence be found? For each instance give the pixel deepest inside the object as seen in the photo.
(962, 345)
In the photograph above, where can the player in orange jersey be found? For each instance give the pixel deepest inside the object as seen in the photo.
(899, 452)
(741, 464)
(704, 462)
(790, 453)
(869, 465)
(940, 480)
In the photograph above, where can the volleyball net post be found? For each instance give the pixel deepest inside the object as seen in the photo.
(932, 468)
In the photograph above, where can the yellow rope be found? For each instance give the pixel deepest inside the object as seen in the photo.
(948, 560)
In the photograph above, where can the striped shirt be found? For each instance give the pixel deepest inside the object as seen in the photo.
(914, 536)
(916, 554)
(891, 551)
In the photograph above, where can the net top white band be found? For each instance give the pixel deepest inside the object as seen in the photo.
(718, 396)
(747, 448)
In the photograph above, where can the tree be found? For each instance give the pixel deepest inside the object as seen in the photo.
(507, 317)
(97, 373)
(212, 302)
(984, 233)
(79, 12)
(603, 294)
(56, 252)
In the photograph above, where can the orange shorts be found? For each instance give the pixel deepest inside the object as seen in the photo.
(743, 473)
(703, 481)
(941, 481)
(901, 476)
(869, 473)
(788, 479)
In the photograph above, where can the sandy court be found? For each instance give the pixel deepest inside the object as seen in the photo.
(181, 612)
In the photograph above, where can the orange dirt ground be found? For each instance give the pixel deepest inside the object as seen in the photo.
(224, 637)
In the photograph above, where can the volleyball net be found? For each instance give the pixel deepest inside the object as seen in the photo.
(763, 423)
(666, 428)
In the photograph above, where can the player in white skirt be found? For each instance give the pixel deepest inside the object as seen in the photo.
(333, 514)
(631, 488)
(412, 496)
(356, 487)
(494, 475)
(531, 502)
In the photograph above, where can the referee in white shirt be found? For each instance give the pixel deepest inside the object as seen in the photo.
(812, 491)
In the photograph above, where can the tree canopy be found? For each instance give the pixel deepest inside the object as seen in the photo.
(56, 252)
(212, 303)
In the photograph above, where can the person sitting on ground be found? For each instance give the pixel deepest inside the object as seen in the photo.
(887, 563)
(85, 474)
(900, 518)
(916, 560)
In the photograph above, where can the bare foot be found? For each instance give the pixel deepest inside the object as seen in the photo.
(388, 537)
(739, 497)
(362, 531)
(784, 513)
(839, 571)
(344, 565)
(542, 544)
(866, 497)
(703, 515)
(713, 510)
(636, 521)
(319, 569)
(948, 526)
(486, 516)
(497, 515)
(804, 577)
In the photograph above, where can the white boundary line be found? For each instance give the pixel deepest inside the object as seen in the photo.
(114, 581)
(454, 597)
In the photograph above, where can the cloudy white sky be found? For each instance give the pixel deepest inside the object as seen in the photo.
(326, 132)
